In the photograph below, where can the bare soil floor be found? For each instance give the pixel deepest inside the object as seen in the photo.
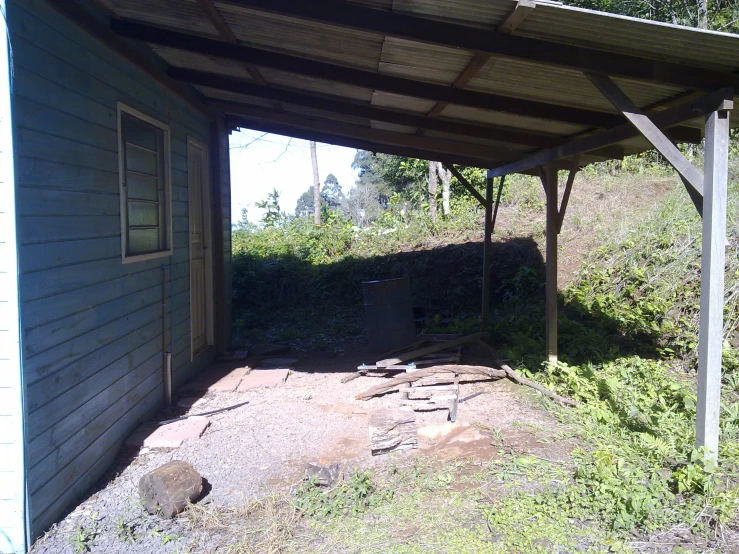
(261, 449)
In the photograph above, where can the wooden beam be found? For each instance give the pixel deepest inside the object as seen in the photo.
(145, 61)
(551, 263)
(487, 251)
(466, 184)
(362, 78)
(517, 15)
(464, 78)
(348, 142)
(712, 282)
(340, 105)
(497, 203)
(568, 189)
(690, 174)
(667, 118)
(455, 35)
(444, 147)
(220, 24)
(515, 18)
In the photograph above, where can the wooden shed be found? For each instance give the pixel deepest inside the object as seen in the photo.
(115, 190)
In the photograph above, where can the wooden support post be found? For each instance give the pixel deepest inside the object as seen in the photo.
(486, 253)
(551, 262)
(712, 281)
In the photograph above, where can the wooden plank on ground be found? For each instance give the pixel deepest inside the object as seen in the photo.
(429, 350)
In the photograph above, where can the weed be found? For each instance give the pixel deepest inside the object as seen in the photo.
(352, 497)
(125, 530)
(84, 538)
(164, 537)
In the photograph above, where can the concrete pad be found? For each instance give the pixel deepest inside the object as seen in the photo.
(230, 381)
(263, 378)
(171, 435)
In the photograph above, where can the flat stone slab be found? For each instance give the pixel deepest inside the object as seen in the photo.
(230, 381)
(263, 378)
(280, 362)
(171, 435)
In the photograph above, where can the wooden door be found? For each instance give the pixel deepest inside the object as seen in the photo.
(200, 259)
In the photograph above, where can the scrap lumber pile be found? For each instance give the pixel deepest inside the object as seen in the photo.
(430, 351)
(424, 383)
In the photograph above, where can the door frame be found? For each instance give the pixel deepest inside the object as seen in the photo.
(205, 183)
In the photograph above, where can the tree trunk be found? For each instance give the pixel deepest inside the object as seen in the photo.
(446, 192)
(433, 189)
(316, 185)
(702, 14)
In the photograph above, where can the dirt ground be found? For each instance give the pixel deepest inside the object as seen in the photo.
(262, 448)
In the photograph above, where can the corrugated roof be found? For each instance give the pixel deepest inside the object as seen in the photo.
(313, 40)
(628, 35)
(411, 58)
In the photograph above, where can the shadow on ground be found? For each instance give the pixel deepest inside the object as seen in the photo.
(318, 307)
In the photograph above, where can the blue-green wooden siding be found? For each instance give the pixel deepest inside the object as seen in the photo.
(91, 326)
(12, 483)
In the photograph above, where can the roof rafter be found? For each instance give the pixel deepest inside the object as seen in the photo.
(343, 106)
(490, 155)
(348, 142)
(352, 142)
(220, 24)
(672, 116)
(443, 33)
(362, 78)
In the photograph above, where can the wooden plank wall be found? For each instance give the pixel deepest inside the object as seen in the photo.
(92, 326)
(12, 483)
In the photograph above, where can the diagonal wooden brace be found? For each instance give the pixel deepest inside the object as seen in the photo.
(574, 168)
(466, 184)
(568, 189)
(497, 204)
(692, 178)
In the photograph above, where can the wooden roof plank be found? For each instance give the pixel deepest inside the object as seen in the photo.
(411, 27)
(342, 106)
(361, 78)
(351, 142)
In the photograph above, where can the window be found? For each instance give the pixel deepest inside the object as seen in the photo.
(143, 150)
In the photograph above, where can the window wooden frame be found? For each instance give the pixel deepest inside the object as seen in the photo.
(167, 167)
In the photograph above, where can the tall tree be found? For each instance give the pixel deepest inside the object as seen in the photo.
(304, 207)
(331, 192)
(316, 185)
(433, 189)
(446, 188)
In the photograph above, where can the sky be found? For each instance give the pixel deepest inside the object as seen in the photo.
(261, 162)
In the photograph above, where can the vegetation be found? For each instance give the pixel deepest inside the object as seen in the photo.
(628, 337)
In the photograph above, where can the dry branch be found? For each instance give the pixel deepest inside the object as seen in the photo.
(462, 370)
(395, 383)
(517, 378)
